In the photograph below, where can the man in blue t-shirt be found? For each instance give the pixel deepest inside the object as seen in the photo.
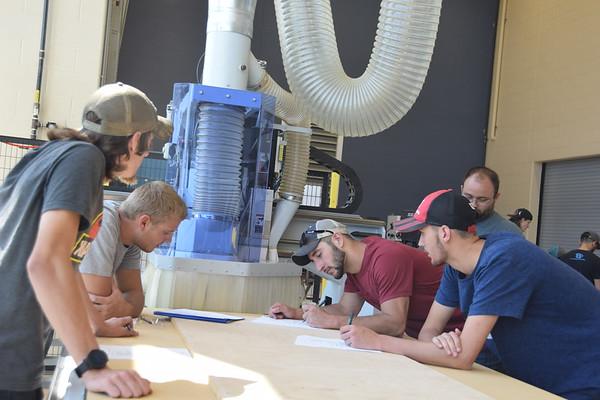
(545, 318)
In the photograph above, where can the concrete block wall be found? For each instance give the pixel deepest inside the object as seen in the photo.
(72, 67)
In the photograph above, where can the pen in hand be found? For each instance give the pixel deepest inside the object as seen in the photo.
(146, 320)
(325, 302)
(350, 318)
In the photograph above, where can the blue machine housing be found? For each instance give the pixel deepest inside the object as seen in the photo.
(240, 235)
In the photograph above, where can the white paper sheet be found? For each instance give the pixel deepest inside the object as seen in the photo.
(313, 341)
(157, 364)
(291, 323)
(115, 352)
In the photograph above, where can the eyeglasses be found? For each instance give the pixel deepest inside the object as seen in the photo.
(312, 235)
(477, 200)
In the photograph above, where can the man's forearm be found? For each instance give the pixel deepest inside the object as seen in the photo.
(382, 323)
(55, 285)
(338, 315)
(336, 309)
(94, 317)
(134, 303)
(424, 352)
(427, 334)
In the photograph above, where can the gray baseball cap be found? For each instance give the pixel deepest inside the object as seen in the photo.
(312, 236)
(118, 109)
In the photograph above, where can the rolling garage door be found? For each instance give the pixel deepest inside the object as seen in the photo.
(570, 202)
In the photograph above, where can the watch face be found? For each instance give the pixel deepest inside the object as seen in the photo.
(97, 359)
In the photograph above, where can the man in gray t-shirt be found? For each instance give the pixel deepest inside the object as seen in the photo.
(50, 211)
(480, 187)
(111, 269)
(495, 222)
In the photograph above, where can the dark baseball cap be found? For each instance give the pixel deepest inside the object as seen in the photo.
(590, 236)
(522, 213)
(443, 207)
(312, 236)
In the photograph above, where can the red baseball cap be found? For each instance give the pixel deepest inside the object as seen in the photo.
(443, 207)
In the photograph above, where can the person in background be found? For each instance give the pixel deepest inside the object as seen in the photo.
(481, 187)
(396, 279)
(147, 218)
(508, 286)
(583, 259)
(50, 212)
(522, 217)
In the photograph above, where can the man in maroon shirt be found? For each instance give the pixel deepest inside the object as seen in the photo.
(396, 279)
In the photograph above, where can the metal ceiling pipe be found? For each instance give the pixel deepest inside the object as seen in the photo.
(218, 153)
(229, 26)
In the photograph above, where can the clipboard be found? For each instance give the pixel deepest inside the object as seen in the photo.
(209, 316)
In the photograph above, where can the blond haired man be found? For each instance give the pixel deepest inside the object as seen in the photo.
(111, 269)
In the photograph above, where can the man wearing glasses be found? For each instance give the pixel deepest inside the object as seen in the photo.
(396, 279)
(480, 187)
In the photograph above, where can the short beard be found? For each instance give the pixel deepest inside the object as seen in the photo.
(485, 214)
(339, 257)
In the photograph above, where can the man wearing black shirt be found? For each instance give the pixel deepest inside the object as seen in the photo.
(584, 260)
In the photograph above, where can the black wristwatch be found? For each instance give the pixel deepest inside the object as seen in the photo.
(97, 359)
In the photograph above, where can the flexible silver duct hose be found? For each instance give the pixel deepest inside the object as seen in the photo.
(286, 107)
(291, 190)
(392, 81)
(218, 155)
(295, 165)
